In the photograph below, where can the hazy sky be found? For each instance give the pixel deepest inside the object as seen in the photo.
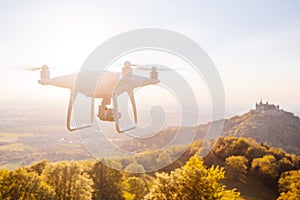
(254, 44)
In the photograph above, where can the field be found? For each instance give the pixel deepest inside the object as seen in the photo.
(19, 149)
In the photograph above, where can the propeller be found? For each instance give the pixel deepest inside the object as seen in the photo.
(148, 67)
(129, 64)
(32, 68)
(154, 67)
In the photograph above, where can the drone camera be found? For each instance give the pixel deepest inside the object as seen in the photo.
(105, 113)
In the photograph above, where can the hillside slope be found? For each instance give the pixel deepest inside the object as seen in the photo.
(278, 128)
(275, 127)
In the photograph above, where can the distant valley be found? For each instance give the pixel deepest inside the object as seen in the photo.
(27, 137)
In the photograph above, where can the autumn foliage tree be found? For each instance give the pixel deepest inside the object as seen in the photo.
(235, 167)
(69, 181)
(38, 167)
(289, 185)
(267, 167)
(21, 184)
(134, 188)
(192, 181)
(107, 180)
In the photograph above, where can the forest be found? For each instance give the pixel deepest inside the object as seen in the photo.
(232, 170)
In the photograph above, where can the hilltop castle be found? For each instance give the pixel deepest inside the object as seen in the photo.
(266, 106)
(270, 109)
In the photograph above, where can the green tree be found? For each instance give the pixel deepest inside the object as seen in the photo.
(69, 181)
(192, 181)
(134, 168)
(21, 184)
(134, 188)
(147, 159)
(164, 159)
(235, 167)
(107, 181)
(289, 185)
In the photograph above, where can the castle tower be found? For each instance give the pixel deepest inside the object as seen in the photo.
(266, 106)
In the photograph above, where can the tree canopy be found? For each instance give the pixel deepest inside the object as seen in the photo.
(236, 167)
(69, 181)
(192, 181)
(289, 185)
(21, 184)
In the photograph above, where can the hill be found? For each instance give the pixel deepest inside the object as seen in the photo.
(266, 124)
(276, 127)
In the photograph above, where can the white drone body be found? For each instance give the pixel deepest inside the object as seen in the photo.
(107, 86)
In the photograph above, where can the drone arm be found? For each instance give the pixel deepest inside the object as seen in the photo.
(70, 108)
(116, 112)
(133, 104)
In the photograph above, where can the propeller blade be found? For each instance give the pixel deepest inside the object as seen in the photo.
(141, 68)
(32, 68)
(150, 68)
(127, 63)
(169, 69)
(147, 67)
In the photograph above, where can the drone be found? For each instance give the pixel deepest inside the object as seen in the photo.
(109, 87)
